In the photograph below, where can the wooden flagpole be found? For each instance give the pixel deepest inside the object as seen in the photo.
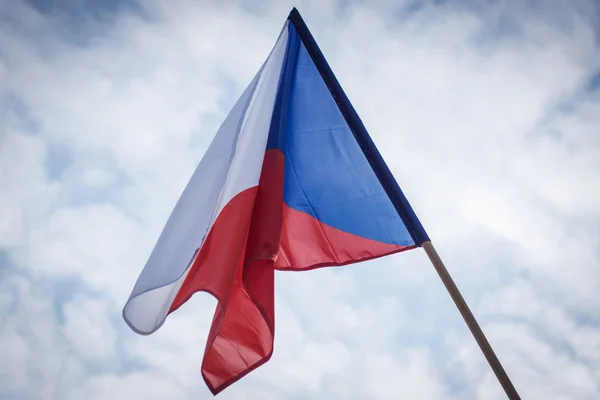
(469, 318)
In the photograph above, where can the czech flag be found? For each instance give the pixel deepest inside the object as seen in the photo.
(291, 181)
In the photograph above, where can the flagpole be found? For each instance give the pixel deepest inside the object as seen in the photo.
(471, 322)
(401, 204)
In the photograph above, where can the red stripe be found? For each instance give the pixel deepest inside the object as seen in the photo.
(235, 265)
(254, 234)
(307, 243)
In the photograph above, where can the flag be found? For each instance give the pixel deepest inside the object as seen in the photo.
(291, 181)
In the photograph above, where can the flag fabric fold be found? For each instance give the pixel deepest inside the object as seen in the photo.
(290, 182)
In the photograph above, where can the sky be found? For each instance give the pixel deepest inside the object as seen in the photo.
(487, 112)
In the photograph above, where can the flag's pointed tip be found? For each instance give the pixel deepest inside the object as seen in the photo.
(294, 13)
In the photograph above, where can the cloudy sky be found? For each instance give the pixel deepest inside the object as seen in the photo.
(488, 113)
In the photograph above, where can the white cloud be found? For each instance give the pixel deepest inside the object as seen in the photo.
(481, 110)
(149, 385)
(414, 377)
(88, 331)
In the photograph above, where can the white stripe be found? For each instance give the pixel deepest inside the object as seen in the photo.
(232, 164)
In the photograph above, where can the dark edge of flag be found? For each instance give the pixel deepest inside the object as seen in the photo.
(376, 161)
